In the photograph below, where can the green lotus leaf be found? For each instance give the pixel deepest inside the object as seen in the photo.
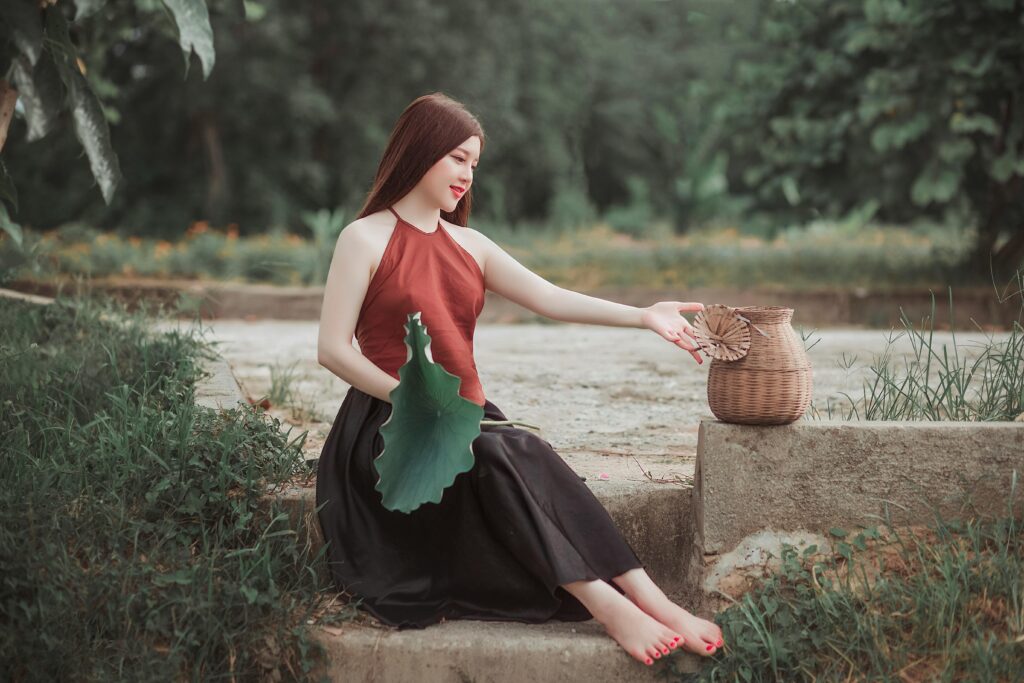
(429, 435)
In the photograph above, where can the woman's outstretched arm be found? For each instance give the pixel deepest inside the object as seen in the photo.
(506, 276)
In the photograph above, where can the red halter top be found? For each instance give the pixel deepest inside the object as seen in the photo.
(432, 273)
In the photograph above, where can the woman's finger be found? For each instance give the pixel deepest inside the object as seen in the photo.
(689, 339)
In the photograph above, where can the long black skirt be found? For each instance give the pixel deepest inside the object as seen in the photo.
(504, 537)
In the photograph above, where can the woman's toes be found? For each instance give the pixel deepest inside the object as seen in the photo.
(694, 644)
(710, 632)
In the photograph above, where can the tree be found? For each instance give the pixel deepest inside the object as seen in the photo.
(42, 67)
(904, 107)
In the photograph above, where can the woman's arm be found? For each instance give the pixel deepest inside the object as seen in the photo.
(514, 281)
(347, 281)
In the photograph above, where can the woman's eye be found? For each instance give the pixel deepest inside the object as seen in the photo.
(461, 159)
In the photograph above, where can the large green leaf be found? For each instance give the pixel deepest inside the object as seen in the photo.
(429, 435)
(194, 31)
(41, 94)
(89, 122)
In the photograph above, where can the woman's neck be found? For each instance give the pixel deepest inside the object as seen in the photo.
(421, 214)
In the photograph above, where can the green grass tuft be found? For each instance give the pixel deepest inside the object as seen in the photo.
(135, 543)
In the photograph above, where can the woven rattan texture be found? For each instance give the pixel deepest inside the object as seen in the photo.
(773, 381)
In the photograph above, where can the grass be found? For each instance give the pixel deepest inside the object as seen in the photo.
(986, 384)
(136, 543)
(942, 603)
(825, 254)
(285, 392)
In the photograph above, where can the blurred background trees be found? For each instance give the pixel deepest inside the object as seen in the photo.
(762, 112)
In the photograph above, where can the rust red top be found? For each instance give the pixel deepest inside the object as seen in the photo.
(432, 273)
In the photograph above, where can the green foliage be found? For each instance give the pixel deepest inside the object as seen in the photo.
(942, 604)
(942, 383)
(136, 542)
(51, 77)
(915, 105)
(846, 254)
(581, 99)
(429, 435)
(326, 225)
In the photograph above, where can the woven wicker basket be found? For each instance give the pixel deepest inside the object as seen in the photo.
(760, 373)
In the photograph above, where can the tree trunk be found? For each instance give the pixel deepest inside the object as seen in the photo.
(217, 191)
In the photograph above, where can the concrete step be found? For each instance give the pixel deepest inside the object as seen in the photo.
(488, 652)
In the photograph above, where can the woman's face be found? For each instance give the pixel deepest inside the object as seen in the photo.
(453, 169)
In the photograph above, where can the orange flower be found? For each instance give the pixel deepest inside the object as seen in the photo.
(232, 231)
(197, 228)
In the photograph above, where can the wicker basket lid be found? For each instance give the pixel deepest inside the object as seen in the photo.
(721, 332)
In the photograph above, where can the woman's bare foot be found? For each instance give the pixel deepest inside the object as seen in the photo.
(639, 634)
(702, 637)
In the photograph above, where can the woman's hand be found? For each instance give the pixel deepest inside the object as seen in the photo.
(663, 318)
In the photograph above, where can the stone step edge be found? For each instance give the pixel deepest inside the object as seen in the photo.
(480, 650)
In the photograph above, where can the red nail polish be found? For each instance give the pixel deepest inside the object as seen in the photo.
(648, 660)
(710, 648)
(719, 643)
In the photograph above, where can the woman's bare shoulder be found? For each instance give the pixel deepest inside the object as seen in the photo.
(372, 230)
(471, 240)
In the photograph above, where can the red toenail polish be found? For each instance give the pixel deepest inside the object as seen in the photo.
(710, 648)
(719, 643)
(648, 660)
(665, 651)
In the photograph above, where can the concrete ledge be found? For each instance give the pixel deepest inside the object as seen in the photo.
(814, 475)
(487, 652)
(220, 390)
(28, 298)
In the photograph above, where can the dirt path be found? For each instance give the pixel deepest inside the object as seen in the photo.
(592, 390)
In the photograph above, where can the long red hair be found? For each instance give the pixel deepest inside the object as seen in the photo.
(430, 127)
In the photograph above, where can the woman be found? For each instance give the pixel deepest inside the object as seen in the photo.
(519, 536)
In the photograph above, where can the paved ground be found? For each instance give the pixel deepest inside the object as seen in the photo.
(594, 391)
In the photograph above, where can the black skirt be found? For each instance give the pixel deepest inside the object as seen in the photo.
(504, 537)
